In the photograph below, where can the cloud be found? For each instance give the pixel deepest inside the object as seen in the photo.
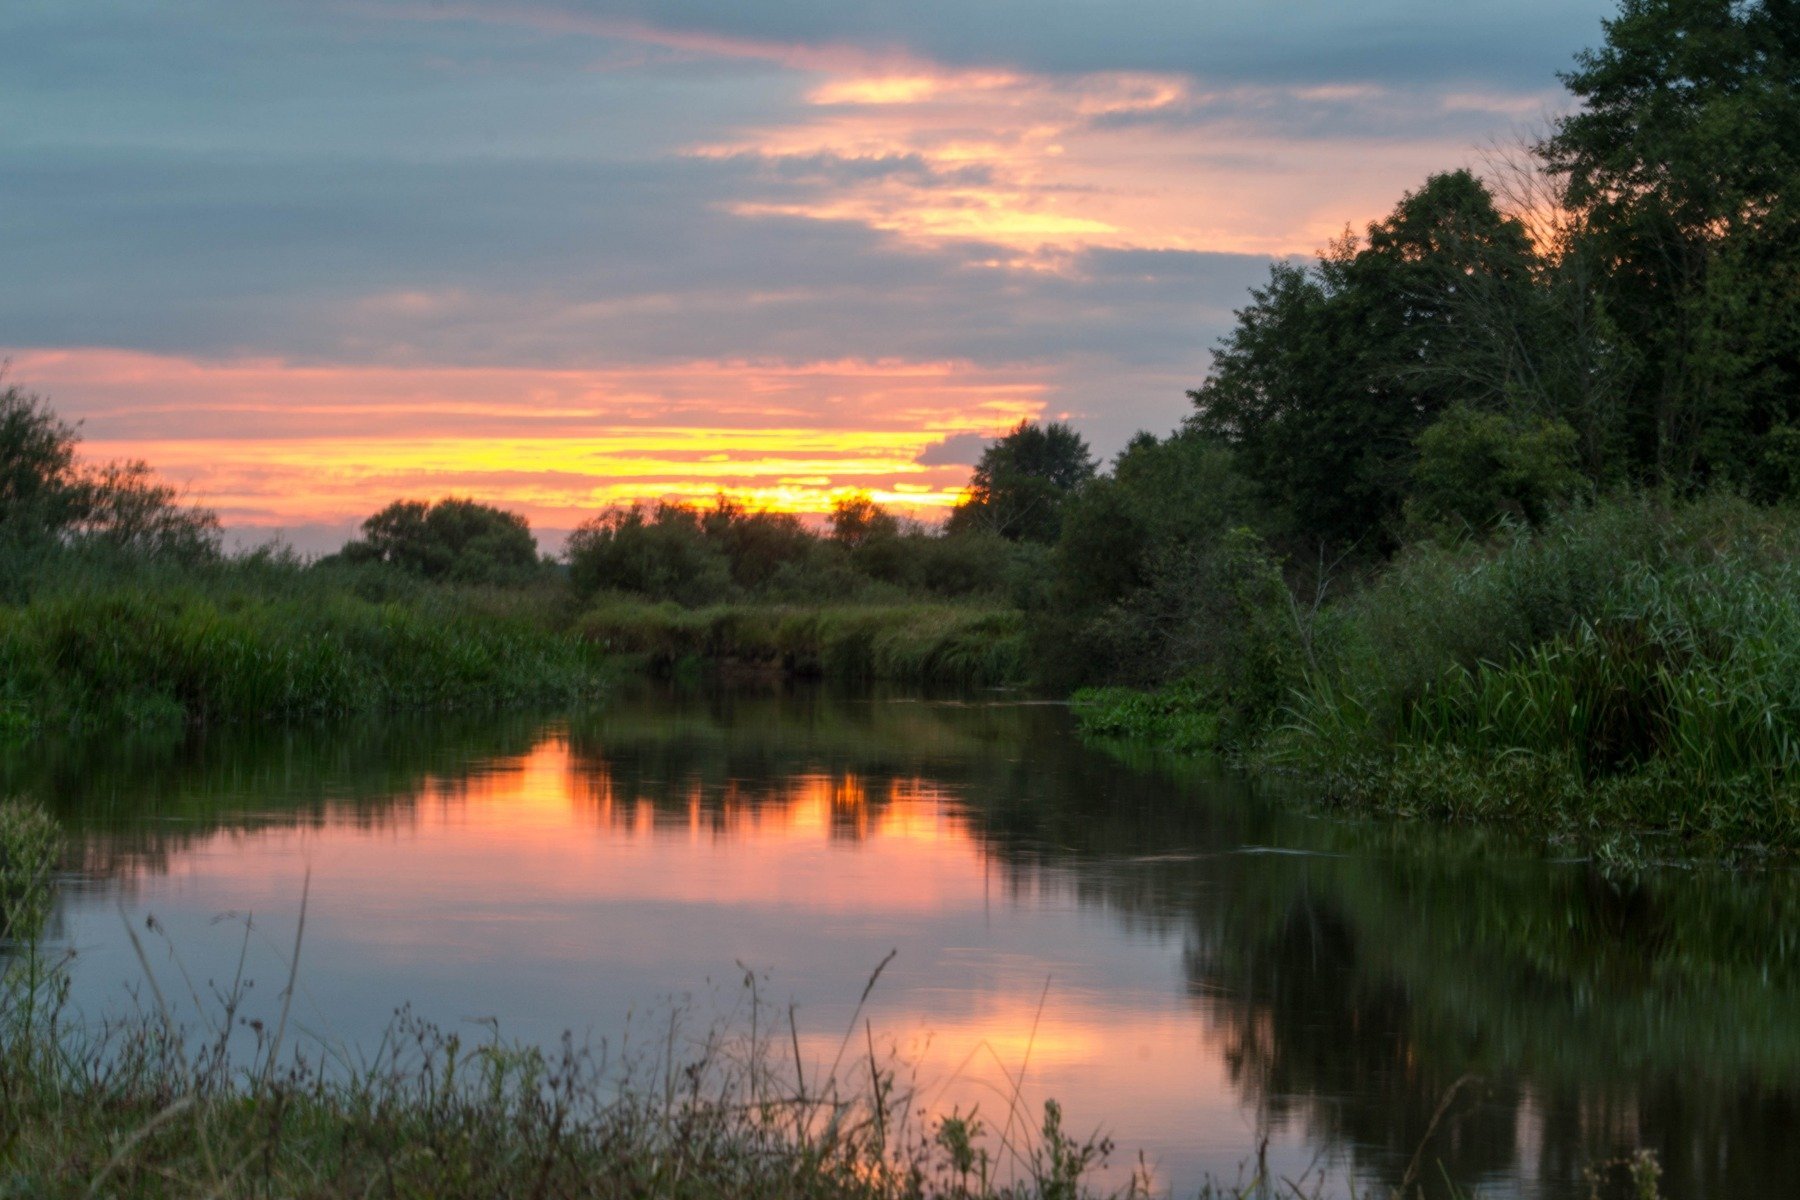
(522, 224)
(1305, 41)
(962, 449)
(274, 445)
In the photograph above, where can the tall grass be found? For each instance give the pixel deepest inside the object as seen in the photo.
(259, 642)
(911, 643)
(237, 1109)
(1631, 665)
(29, 844)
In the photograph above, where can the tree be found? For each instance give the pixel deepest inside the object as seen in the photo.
(1681, 166)
(662, 553)
(453, 539)
(1022, 481)
(49, 498)
(1333, 370)
(856, 520)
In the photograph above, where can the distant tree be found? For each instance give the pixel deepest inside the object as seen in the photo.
(48, 497)
(856, 520)
(40, 488)
(453, 539)
(1022, 481)
(660, 552)
(756, 543)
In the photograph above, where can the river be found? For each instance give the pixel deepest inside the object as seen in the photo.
(1200, 968)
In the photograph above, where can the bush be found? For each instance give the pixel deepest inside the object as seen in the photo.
(454, 540)
(1476, 469)
(1648, 658)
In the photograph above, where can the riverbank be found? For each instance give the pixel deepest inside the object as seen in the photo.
(1627, 669)
(249, 640)
(969, 645)
(129, 1112)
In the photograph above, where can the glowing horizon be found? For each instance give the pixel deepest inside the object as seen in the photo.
(271, 446)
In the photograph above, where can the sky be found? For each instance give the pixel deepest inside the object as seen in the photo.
(310, 256)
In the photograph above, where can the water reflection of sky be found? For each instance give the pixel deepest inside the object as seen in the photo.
(1104, 928)
(540, 892)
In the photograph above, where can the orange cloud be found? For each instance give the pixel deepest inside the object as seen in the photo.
(273, 444)
(1041, 164)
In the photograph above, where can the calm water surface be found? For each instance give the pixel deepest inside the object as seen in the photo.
(1190, 967)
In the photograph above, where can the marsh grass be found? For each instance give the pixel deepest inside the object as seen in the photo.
(1627, 667)
(237, 1109)
(968, 645)
(30, 843)
(1180, 719)
(257, 641)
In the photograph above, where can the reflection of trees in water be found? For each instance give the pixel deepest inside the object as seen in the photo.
(1354, 984)
(1598, 1016)
(133, 803)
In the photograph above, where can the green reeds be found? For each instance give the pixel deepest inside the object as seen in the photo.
(916, 643)
(190, 651)
(1628, 667)
(29, 844)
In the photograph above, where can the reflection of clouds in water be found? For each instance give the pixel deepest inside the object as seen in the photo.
(1200, 989)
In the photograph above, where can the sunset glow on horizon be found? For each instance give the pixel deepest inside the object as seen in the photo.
(572, 255)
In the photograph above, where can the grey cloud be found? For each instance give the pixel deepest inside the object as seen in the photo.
(959, 449)
(1516, 44)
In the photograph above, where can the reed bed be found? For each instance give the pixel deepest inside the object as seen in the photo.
(138, 652)
(910, 643)
(1629, 667)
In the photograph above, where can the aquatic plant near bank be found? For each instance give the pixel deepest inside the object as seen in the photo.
(1179, 719)
(1631, 666)
(29, 844)
(912, 643)
(199, 650)
(1627, 667)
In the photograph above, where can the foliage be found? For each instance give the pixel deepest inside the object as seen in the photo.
(856, 520)
(256, 640)
(1680, 168)
(1181, 718)
(1476, 469)
(29, 844)
(1130, 593)
(452, 539)
(1022, 482)
(1629, 661)
(918, 643)
(49, 500)
(1334, 370)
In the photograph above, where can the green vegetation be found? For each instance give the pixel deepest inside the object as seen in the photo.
(137, 1111)
(275, 641)
(456, 540)
(29, 843)
(917, 643)
(1464, 519)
